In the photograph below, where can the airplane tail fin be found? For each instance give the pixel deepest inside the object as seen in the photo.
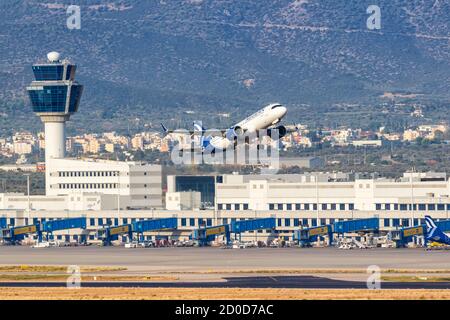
(198, 126)
(164, 128)
(434, 233)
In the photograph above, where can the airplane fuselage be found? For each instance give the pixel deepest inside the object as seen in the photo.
(263, 119)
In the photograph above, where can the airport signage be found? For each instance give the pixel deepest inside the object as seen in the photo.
(318, 231)
(119, 230)
(413, 231)
(24, 230)
(216, 230)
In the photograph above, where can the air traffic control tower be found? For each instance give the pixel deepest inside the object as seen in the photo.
(55, 96)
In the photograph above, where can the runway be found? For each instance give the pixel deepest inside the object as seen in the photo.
(287, 282)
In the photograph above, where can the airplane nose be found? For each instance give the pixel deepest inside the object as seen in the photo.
(282, 111)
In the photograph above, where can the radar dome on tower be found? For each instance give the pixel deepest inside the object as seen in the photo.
(53, 56)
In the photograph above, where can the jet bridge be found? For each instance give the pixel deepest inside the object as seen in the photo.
(142, 226)
(208, 234)
(109, 234)
(63, 224)
(16, 234)
(309, 235)
(349, 226)
(238, 227)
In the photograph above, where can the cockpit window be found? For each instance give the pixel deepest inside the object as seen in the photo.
(276, 106)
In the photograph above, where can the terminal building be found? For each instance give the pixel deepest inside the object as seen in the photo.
(137, 183)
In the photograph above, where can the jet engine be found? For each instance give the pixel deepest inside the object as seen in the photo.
(282, 131)
(234, 132)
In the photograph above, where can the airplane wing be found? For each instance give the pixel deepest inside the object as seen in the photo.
(193, 132)
(289, 128)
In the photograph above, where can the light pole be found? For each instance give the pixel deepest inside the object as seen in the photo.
(28, 196)
(118, 193)
(412, 197)
(317, 199)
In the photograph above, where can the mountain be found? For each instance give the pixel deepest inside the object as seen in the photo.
(147, 60)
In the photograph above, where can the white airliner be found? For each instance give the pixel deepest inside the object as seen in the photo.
(265, 118)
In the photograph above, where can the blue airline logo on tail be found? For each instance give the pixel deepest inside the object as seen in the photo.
(434, 233)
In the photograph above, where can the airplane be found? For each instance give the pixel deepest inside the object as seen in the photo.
(265, 118)
(434, 233)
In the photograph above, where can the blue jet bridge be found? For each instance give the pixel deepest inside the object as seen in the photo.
(208, 234)
(356, 225)
(142, 226)
(237, 227)
(308, 235)
(16, 234)
(64, 224)
(205, 235)
(109, 234)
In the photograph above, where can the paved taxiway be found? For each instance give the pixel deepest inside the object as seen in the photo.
(210, 259)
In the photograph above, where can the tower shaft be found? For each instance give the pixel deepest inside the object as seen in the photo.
(55, 140)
